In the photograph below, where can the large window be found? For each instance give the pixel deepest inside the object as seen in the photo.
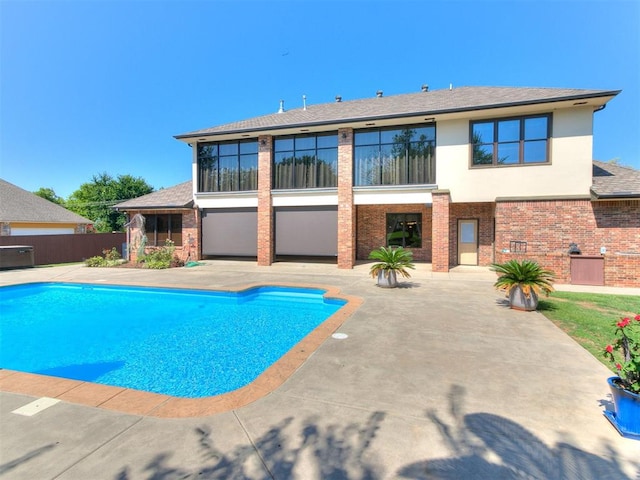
(404, 230)
(398, 156)
(228, 166)
(160, 228)
(511, 141)
(305, 161)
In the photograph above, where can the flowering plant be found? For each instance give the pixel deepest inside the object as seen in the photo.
(624, 353)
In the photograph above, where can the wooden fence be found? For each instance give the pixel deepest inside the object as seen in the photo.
(52, 249)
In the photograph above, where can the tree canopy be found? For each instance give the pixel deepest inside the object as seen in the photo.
(94, 199)
(49, 194)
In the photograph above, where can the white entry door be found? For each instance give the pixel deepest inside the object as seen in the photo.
(468, 242)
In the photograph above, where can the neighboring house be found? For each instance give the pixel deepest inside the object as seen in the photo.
(24, 213)
(169, 214)
(463, 176)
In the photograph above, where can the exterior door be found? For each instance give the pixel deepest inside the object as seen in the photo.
(468, 242)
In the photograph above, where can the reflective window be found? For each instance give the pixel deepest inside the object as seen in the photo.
(395, 156)
(305, 161)
(228, 166)
(160, 228)
(512, 141)
(404, 230)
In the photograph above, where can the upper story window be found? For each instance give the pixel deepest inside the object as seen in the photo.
(228, 166)
(305, 161)
(511, 141)
(395, 156)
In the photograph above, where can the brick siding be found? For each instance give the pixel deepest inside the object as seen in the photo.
(441, 232)
(549, 227)
(265, 211)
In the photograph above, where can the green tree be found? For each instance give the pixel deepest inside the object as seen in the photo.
(49, 194)
(94, 200)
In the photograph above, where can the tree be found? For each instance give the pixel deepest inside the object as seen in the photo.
(49, 194)
(94, 200)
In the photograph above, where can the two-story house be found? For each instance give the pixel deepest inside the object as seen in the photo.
(461, 176)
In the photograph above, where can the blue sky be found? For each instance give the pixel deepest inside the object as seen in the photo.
(103, 86)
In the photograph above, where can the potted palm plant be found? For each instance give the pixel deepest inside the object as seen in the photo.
(523, 281)
(391, 263)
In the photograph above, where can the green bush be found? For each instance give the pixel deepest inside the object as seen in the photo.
(96, 261)
(162, 257)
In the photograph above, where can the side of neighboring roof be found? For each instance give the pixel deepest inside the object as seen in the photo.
(431, 103)
(18, 205)
(615, 181)
(178, 196)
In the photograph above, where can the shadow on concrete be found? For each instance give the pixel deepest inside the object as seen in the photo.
(482, 445)
(7, 467)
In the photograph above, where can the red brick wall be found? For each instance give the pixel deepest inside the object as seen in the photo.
(265, 211)
(483, 212)
(346, 210)
(371, 224)
(549, 227)
(441, 231)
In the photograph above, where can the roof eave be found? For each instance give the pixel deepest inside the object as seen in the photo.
(428, 113)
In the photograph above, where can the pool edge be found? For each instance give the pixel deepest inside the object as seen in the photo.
(138, 402)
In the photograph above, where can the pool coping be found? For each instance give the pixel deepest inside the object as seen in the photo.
(138, 402)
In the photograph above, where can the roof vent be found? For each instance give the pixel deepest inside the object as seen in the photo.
(281, 109)
(425, 88)
(379, 94)
(338, 98)
(304, 102)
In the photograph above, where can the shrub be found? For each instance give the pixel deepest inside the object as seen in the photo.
(162, 257)
(96, 261)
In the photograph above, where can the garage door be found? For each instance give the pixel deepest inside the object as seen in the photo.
(311, 231)
(230, 232)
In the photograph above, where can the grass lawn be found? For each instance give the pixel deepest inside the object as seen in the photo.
(589, 318)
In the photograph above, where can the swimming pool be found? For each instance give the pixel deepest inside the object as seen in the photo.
(183, 343)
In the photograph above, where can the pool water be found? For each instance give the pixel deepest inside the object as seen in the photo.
(184, 343)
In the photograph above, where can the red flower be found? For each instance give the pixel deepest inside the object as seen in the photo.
(618, 366)
(637, 318)
(623, 323)
(609, 349)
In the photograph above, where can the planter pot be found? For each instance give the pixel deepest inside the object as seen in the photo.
(626, 417)
(519, 301)
(387, 279)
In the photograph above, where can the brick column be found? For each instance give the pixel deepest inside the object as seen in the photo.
(265, 210)
(346, 209)
(440, 231)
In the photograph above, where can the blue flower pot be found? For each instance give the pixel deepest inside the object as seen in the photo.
(626, 417)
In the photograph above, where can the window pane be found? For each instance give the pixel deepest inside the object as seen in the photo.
(483, 154)
(483, 132)
(228, 174)
(535, 151)
(395, 136)
(305, 143)
(207, 150)
(162, 230)
(508, 153)
(327, 141)
(509, 131)
(367, 165)
(424, 133)
(327, 165)
(283, 170)
(404, 230)
(176, 230)
(367, 138)
(393, 165)
(249, 147)
(228, 149)
(283, 144)
(413, 227)
(535, 128)
(305, 169)
(248, 172)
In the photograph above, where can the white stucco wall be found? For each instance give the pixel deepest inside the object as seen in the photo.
(569, 172)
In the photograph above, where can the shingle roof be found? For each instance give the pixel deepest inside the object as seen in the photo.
(18, 205)
(422, 103)
(615, 181)
(178, 196)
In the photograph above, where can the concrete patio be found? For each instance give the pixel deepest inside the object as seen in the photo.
(436, 380)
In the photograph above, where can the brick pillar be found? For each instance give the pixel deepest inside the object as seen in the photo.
(265, 210)
(346, 209)
(440, 231)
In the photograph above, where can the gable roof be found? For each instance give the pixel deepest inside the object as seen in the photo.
(18, 205)
(430, 103)
(178, 196)
(615, 181)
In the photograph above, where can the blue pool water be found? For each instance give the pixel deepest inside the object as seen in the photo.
(185, 343)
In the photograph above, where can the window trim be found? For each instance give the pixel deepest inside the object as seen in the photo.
(521, 141)
(238, 156)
